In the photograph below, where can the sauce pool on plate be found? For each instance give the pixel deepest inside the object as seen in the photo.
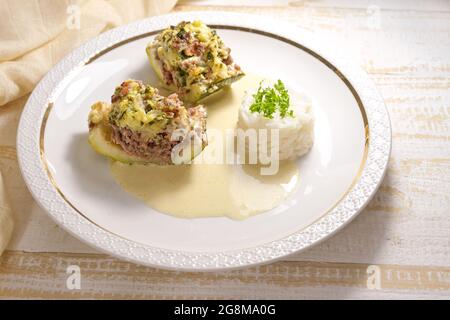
(211, 190)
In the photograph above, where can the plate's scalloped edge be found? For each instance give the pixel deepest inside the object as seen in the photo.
(45, 194)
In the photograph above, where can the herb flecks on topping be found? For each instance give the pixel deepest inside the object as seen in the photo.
(192, 59)
(269, 100)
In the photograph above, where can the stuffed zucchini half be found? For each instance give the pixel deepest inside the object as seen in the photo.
(142, 126)
(192, 60)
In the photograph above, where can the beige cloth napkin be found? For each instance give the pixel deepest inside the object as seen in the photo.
(6, 222)
(35, 35)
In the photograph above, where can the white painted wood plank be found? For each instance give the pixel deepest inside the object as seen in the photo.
(402, 5)
(26, 275)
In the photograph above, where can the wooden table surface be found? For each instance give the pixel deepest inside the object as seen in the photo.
(404, 234)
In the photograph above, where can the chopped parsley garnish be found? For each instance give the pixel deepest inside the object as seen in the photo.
(182, 72)
(181, 33)
(183, 55)
(269, 100)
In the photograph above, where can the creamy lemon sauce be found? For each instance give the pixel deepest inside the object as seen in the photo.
(211, 190)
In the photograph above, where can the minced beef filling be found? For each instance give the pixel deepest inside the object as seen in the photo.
(158, 146)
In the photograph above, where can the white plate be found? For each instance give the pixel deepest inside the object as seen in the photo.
(338, 177)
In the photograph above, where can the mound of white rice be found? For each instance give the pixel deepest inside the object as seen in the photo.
(296, 134)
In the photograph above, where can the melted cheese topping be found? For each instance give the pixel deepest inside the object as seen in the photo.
(195, 56)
